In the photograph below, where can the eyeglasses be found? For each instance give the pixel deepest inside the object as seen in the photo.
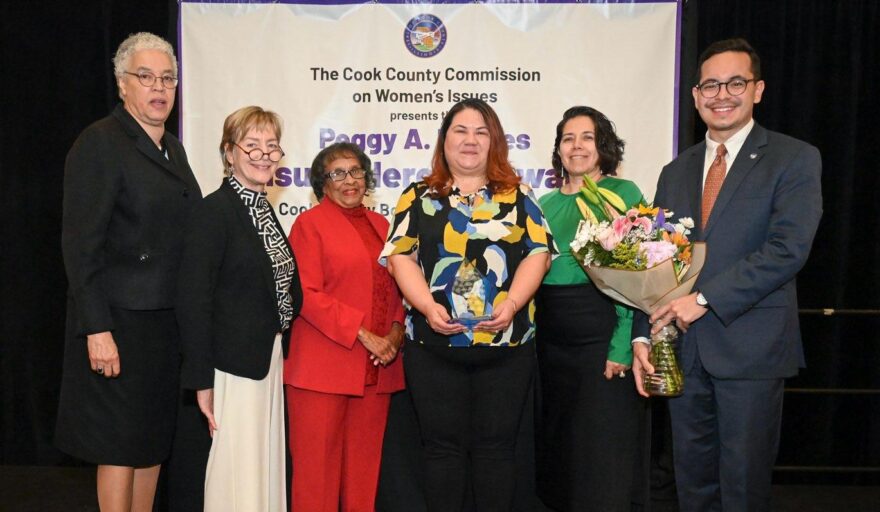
(339, 174)
(734, 86)
(147, 79)
(275, 154)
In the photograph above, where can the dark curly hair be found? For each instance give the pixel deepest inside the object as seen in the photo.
(318, 173)
(608, 144)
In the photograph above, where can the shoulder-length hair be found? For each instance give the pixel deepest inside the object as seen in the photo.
(608, 144)
(500, 175)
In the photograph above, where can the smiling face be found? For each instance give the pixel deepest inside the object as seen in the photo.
(467, 144)
(577, 147)
(725, 114)
(150, 106)
(348, 193)
(253, 174)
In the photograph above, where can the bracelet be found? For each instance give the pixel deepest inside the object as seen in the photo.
(515, 306)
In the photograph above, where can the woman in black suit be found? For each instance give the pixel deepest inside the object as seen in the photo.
(237, 296)
(128, 189)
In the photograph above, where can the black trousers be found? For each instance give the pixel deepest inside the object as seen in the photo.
(592, 445)
(469, 402)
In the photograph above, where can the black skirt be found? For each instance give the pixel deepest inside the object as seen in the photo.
(591, 432)
(128, 420)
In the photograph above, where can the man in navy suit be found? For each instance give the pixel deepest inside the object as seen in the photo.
(755, 197)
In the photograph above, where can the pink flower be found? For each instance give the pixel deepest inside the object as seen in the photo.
(657, 252)
(621, 226)
(644, 223)
(609, 237)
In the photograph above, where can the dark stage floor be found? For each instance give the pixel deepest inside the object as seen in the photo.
(50, 489)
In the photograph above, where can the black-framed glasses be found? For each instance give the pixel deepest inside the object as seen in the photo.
(147, 79)
(275, 155)
(734, 86)
(339, 174)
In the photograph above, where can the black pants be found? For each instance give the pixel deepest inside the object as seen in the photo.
(469, 402)
(592, 445)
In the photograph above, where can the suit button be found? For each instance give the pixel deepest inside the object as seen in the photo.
(185, 192)
(144, 257)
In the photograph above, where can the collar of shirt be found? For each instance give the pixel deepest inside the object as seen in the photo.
(251, 198)
(469, 200)
(733, 145)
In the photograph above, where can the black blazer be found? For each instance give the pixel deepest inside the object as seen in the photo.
(226, 305)
(125, 206)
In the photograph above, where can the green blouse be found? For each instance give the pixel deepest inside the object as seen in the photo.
(563, 216)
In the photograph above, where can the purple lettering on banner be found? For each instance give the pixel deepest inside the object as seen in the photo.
(325, 136)
(282, 177)
(391, 178)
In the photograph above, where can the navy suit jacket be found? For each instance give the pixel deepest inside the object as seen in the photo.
(758, 237)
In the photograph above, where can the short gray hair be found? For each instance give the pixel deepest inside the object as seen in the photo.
(137, 42)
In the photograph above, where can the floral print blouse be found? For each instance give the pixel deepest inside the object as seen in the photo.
(491, 232)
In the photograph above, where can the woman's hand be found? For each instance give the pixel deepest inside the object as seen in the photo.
(205, 399)
(382, 350)
(501, 317)
(439, 320)
(103, 354)
(612, 369)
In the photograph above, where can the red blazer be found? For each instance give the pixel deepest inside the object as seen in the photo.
(337, 283)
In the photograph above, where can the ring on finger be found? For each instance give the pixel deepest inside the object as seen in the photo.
(99, 370)
(622, 374)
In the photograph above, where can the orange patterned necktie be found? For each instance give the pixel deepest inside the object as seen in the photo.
(714, 179)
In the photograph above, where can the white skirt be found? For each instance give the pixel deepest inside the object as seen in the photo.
(245, 470)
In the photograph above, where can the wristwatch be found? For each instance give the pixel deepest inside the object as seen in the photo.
(701, 300)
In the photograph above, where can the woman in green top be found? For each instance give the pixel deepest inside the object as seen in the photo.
(591, 428)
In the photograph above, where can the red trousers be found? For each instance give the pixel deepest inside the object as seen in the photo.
(336, 447)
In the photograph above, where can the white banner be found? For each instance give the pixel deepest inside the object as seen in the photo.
(382, 75)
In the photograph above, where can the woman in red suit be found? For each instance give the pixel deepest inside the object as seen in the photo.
(342, 366)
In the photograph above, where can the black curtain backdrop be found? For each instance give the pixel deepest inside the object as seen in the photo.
(820, 63)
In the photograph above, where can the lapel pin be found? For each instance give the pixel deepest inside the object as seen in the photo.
(753, 156)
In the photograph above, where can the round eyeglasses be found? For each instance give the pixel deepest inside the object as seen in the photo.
(339, 174)
(275, 154)
(734, 86)
(147, 79)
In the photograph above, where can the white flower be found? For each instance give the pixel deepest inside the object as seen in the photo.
(687, 222)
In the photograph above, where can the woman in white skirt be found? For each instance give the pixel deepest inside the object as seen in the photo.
(238, 293)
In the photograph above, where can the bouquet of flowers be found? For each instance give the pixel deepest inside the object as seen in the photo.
(639, 258)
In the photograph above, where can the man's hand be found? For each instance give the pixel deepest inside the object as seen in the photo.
(641, 366)
(683, 310)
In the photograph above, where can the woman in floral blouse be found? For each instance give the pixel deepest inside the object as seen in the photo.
(468, 248)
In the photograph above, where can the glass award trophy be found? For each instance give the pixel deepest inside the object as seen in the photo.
(467, 296)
